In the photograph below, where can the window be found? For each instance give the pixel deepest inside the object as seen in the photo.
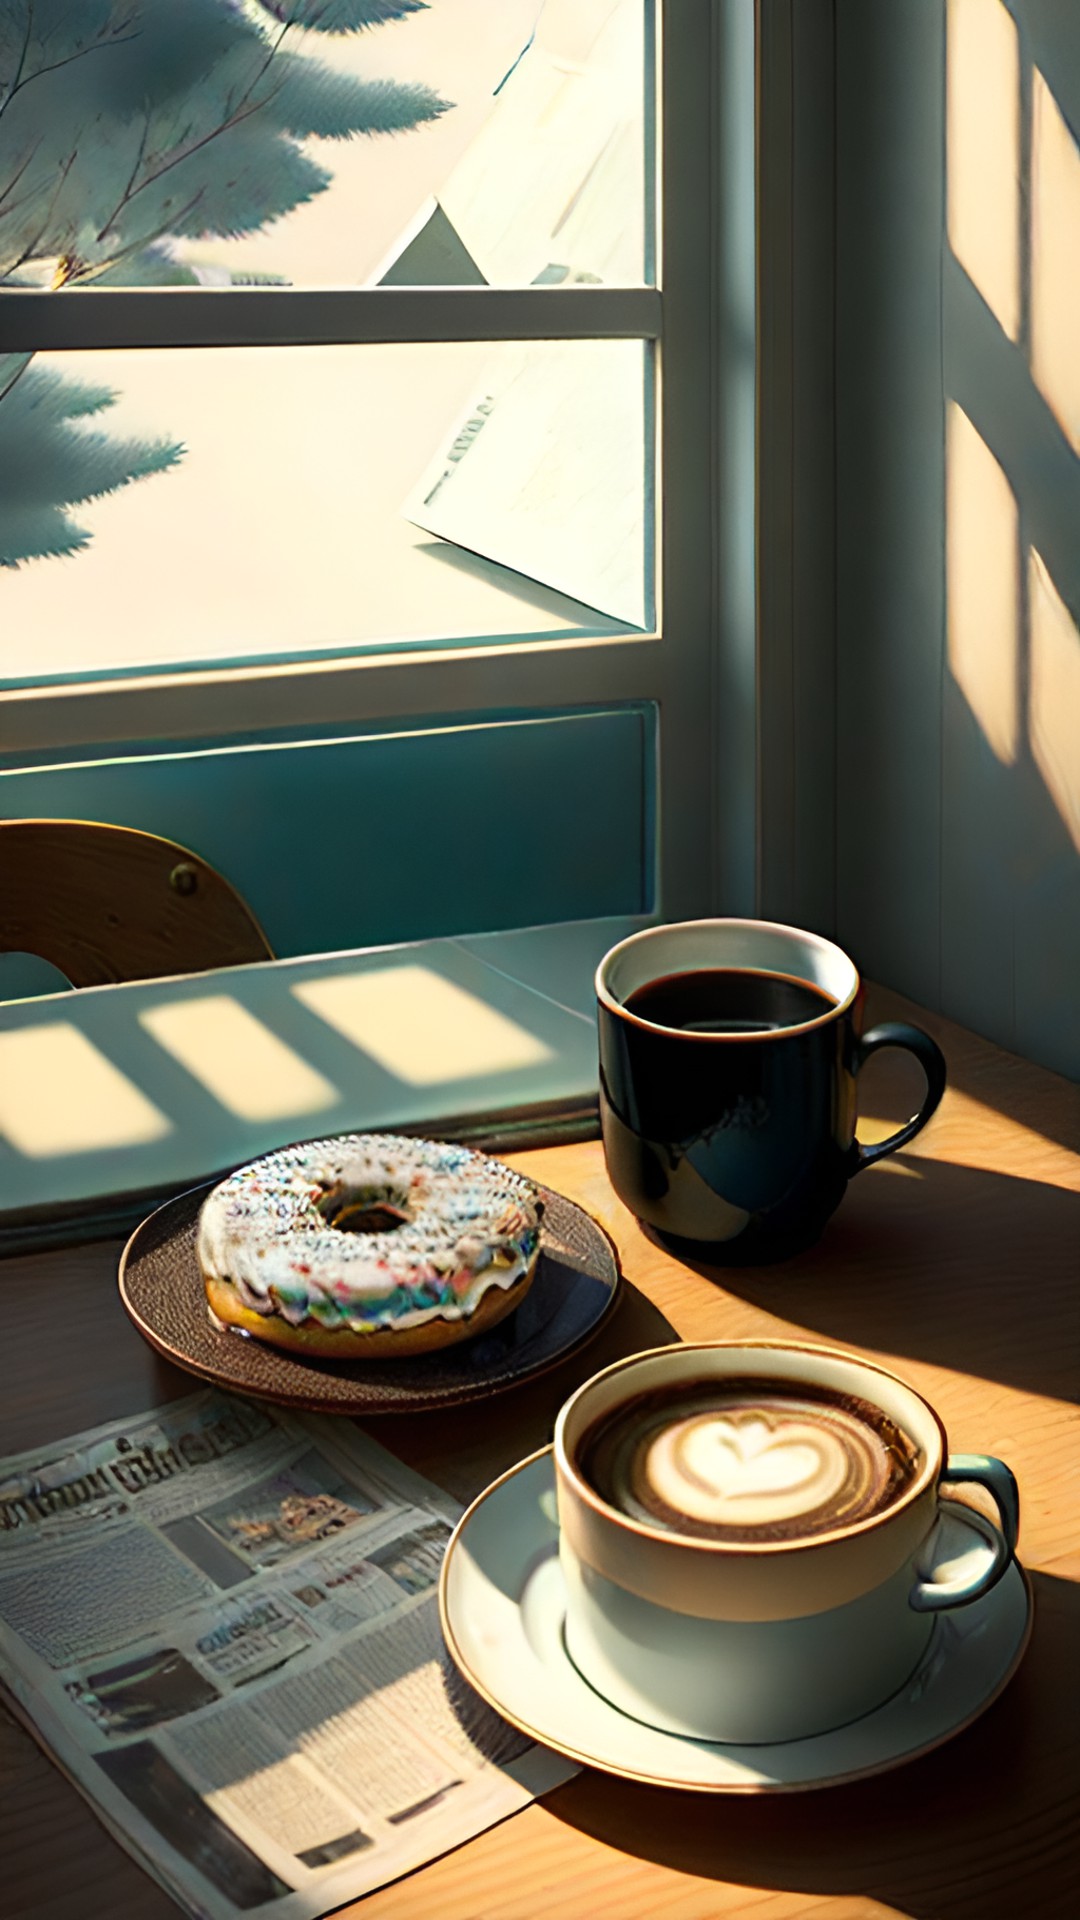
(361, 446)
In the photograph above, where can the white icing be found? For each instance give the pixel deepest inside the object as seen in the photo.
(471, 1224)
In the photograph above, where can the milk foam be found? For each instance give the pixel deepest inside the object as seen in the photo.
(744, 1470)
(748, 1460)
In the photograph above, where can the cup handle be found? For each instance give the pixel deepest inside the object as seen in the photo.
(897, 1033)
(958, 1573)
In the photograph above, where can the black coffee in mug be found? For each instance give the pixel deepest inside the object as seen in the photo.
(729, 1051)
(728, 1000)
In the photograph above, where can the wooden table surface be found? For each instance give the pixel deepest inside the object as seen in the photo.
(957, 1263)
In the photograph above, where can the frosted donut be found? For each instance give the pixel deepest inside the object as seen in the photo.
(368, 1245)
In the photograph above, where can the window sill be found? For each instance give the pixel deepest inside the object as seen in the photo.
(131, 1093)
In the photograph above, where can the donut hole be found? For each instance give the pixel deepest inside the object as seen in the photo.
(353, 1209)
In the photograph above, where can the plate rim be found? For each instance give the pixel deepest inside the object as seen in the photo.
(764, 1787)
(467, 1394)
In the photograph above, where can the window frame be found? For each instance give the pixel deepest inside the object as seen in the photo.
(696, 666)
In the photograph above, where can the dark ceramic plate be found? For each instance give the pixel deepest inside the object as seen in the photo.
(575, 1288)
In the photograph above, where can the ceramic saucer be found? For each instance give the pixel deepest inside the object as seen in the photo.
(502, 1603)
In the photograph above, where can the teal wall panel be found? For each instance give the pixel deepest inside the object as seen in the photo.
(401, 836)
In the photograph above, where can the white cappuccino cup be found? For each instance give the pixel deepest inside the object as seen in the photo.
(755, 1539)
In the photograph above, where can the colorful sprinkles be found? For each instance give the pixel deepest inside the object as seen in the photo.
(369, 1231)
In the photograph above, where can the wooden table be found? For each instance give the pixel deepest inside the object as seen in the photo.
(957, 1263)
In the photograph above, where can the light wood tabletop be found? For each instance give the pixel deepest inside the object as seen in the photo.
(956, 1263)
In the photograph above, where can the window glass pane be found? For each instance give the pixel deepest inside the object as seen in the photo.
(324, 142)
(175, 506)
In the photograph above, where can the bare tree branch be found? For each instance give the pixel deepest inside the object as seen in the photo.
(16, 376)
(17, 176)
(82, 271)
(14, 87)
(234, 117)
(30, 252)
(22, 81)
(176, 159)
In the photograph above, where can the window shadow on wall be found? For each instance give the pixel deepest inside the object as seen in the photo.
(1011, 334)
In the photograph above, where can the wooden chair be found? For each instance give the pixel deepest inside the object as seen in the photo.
(107, 903)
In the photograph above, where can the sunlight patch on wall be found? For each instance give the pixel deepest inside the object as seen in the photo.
(1054, 698)
(238, 1059)
(60, 1094)
(1055, 261)
(422, 1028)
(983, 152)
(982, 583)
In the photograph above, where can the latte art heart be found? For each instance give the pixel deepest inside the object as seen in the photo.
(748, 1460)
(744, 1471)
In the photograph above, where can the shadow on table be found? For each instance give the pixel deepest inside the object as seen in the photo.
(957, 1266)
(984, 1828)
(466, 1447)
(1034, 1097)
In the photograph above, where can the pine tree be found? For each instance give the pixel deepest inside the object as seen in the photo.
(125, 126)
(48, 465)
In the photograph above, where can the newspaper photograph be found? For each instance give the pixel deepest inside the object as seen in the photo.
(221, 1620)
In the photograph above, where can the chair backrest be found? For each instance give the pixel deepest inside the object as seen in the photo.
(107, 903)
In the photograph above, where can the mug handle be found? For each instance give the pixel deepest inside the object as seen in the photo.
(957, 1577)
(897, 1033)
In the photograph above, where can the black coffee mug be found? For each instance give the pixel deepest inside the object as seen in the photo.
(729, 1051)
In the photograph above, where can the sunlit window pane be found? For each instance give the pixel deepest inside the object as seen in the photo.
(185, 505)
(983, 151)
(457, 141)
(982, 572)
(1055, 260)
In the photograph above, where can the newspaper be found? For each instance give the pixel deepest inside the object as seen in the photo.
(544, 472)
(545, 469)
(222, 1621)
(555, 188)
